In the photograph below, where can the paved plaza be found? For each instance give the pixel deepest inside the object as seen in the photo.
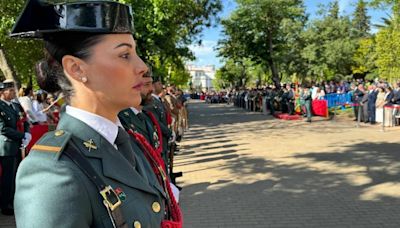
(245, 169)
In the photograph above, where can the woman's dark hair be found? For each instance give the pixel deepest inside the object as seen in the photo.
(27, 91)
(50, 74)
(39, 97)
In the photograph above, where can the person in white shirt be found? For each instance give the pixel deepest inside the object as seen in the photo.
(37, 107)
(25, 100)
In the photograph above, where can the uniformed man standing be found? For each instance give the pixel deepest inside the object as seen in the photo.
(137, 120)
(305, 100)
(156, 106)
(14, 135)
(146, 124)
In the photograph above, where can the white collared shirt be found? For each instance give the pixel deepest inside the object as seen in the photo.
(7, 102)
(134, 110)
(103, 126)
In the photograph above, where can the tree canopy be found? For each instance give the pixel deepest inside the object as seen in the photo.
(163, 31)
(278, 37)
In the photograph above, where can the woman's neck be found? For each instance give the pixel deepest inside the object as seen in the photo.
(96, 107)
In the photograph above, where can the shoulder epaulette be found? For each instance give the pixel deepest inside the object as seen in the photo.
(52, 142)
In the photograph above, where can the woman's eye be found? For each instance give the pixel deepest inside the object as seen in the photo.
(125, 56)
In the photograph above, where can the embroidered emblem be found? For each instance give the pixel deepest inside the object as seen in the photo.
(59, 133)
(120, 193)
(156, 140)
(90, 145)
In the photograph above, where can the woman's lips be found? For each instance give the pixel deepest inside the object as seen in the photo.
(138, 86)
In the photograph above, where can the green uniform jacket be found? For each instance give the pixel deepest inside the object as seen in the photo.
(157, 108)
(51, 191)
(143, 126)
(130, 121)
(10, 138)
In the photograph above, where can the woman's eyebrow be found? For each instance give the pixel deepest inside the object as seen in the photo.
(123, 44)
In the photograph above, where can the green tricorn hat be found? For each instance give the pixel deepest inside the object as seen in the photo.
(40, 19)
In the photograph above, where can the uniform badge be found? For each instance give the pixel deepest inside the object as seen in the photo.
(126, 113)
(120, 193)
(90, 145)
(156, 140)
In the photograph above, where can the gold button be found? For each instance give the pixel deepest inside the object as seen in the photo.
(137, 224)
(59, 133)
(156, 207)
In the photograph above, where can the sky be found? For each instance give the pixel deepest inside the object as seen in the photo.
(207, 55)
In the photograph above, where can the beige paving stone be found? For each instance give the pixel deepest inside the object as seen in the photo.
(249, 170)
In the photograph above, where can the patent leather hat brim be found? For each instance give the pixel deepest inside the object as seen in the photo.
(40, 19)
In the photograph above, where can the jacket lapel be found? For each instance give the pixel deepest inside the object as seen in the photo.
(159, 108)
(138, 123)
(113, 164)
(8, 112)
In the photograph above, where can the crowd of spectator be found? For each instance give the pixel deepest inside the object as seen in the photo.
(374, 101)
(40, 107)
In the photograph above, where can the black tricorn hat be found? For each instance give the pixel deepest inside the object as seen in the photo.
(8, 83)
(40, 19)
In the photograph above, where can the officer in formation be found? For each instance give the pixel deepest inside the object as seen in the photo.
(305, 102)
(91, 172)
(156, 106)
(14, 137)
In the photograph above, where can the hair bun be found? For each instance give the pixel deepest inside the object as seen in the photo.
(47, 75)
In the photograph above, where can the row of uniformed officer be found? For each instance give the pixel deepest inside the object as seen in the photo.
(14, 136)
(89, 172)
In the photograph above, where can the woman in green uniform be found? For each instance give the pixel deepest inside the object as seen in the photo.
(85, 174)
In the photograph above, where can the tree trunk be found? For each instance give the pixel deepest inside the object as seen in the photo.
(271, 63)
(4, 67)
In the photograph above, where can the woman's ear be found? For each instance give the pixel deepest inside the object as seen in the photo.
(75, 68)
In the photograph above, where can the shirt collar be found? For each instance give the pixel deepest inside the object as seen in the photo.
(103, 126)
(155, 96)
(136, 111)
(7, 102)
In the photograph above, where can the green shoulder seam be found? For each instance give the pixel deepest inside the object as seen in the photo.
(52, 142)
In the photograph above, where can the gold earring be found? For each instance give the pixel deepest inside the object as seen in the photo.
(84, 79)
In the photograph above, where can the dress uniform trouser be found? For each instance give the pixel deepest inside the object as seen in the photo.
(9, 167)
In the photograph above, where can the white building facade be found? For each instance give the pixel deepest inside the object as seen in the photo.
(202, 76)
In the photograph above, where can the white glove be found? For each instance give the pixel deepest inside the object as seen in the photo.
(173, 137)
(25, 142)
(26, 139)
(175, 192)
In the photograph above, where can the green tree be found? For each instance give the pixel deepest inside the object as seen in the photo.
(20, 56)
(163, 33)
(388, 53)
(361, 20)
(329, 46)
(254, 30)
(233, 74)
(365, 57)
(334, 9)
(393, 4)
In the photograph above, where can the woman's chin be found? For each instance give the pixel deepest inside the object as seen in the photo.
(135, 103)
